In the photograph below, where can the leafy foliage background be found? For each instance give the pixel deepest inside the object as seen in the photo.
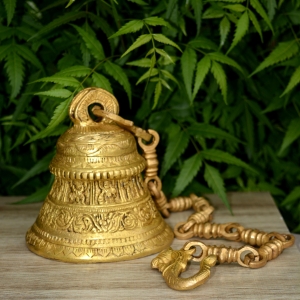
(218, 79)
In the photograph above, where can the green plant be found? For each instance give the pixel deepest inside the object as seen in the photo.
(218, 79)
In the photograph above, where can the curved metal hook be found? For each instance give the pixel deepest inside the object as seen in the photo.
(173, 262)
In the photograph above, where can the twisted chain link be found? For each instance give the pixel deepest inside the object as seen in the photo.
(199, 223)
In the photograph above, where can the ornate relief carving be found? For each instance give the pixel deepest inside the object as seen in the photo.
(69, 220)
(98, 192)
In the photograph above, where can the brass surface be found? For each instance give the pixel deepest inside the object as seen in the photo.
(99, 209)
(173, 262)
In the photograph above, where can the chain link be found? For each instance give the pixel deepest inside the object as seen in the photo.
(199, 223)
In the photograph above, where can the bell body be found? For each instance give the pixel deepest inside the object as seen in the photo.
(98, 209)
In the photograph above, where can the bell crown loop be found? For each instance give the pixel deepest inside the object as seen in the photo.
(96, 150)
(79, 107)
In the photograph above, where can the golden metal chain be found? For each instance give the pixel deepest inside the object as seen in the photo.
(199, 223)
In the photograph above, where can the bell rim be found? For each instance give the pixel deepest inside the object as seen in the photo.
(166, 235)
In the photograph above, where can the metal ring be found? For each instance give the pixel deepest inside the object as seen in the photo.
(182, 235)
(154, 142)
(253, 251)
(193, 244)
(155, 181)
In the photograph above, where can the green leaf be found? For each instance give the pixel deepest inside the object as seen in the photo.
(197, 7)
(282, 52)
(170, 8)
(224, 30)
(148, 74)
(30, 56)
(92, 43)
(216, 183)
(220, 77)
(101, 81)
(292, 197)
(241, 29)
(37, 196)
(291, 135)
(141, 40)
(188, 171)
(165, 84)
(203, 67)
(59, 93)
(267, 187)
(213, 13)
(59, 115)
(235, 7)
(64, 81)
(175, 148)
(10, 6)
(260, 10)
(210, 132)
(70, 3)
(220, 57)
(257, 112)
(157, 93)
(144, 63)
(4, 51)
(221, 156)
(156, 21)
(163, 39)
(41, 166)
(140, 2)
(204, 43)
(295, 79)
(130, 27)
(294, 16)
(271, 6)
(15, 70)
(167, 74)
(103, 25)
(86, 54)
(182, 25)
(6, 32)
(188, 64)
(66, 18)
(255, 23)
(275, 104)
(120, 76)
(76, 71)
(249, 131)
(164, 54)
(232, 1)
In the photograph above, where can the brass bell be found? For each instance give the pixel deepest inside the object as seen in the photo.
(99, 209)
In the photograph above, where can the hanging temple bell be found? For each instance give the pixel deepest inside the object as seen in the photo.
(99, 208)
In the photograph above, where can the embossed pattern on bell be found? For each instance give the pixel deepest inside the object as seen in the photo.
(98, 208)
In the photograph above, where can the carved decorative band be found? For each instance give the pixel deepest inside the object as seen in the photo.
(83, 240)
(67, 219)
(96, 161)
(98, 192)
(98, 175)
